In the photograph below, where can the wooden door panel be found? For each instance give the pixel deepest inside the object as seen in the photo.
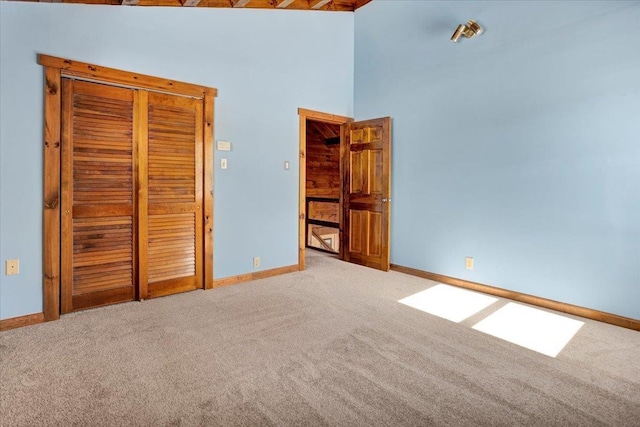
(374, 241)
(366, 135)
(375, 175)
(367, 174)
(98, 203)
(357, 177)
(172, 217)
(365, 232)
(357, 231)
(367, 191)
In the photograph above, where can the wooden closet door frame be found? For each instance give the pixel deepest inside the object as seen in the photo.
(55, 69)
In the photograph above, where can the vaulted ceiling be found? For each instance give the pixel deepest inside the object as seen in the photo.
(322, 131)
(327, 5)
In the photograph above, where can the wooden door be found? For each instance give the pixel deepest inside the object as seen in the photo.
(98, 230)
(170, 215)
(366, 192)
(132, 194)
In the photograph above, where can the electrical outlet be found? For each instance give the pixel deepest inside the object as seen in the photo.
(12, 266)
(469, 263)
(256, 261)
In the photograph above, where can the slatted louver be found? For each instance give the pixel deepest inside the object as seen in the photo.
(172, 246)
(172, 154)
(102, 150)
(102, 253)
(98, 196)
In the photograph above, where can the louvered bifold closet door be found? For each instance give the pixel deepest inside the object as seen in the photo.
(171, 201)
(98, 196)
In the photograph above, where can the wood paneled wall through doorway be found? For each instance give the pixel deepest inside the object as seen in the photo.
(323, 161)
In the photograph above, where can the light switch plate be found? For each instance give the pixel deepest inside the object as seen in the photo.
(223, 163)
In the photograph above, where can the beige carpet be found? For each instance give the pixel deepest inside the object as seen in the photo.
(328, 346)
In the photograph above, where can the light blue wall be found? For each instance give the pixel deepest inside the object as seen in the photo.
(529, 161)
(265, 65)
(520, 148)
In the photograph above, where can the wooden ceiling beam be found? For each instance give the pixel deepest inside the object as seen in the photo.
(317, 4)
(321, 5)
(282, 4)
(240, 3)
(360, 3)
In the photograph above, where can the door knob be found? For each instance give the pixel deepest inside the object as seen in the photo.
(385, 200)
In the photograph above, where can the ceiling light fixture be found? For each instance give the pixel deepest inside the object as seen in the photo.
(471, 29)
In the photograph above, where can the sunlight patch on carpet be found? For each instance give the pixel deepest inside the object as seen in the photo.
(449, 302)
(537, 330)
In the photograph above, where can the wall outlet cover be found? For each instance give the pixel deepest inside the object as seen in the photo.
(12, 266)
(469, 263)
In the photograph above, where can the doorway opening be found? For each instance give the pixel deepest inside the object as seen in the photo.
(363, 186)
(320, 193)
(323, 186)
